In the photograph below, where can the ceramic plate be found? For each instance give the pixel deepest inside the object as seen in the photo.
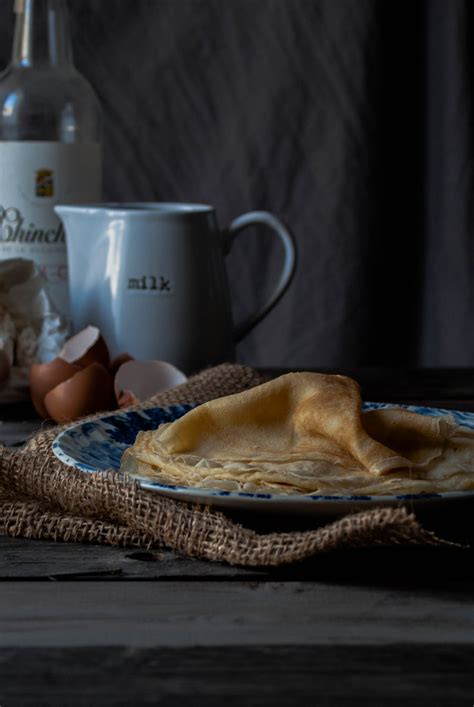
(98, 445)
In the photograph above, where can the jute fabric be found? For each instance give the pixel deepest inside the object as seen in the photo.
(42, 498)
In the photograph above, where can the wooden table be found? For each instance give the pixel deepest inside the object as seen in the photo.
(91, 625)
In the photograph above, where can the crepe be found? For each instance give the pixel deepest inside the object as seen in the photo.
(305, 433)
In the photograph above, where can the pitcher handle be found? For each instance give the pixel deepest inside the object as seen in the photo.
(287, 271)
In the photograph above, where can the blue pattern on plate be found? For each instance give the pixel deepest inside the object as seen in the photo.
(99, 445)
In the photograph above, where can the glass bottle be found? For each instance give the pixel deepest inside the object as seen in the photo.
(50, 149)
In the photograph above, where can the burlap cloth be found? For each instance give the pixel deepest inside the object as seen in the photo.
(42, 498)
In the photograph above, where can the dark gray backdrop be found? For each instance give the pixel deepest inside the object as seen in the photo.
(350, 119)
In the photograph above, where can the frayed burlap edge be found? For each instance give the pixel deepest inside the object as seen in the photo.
(31, 521)
(42, 498)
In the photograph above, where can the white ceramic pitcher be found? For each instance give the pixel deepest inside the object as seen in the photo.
(152, 277)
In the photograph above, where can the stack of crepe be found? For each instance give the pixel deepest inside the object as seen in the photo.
(305, 433)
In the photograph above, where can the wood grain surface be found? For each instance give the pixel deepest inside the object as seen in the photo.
(326, 676)
(32, 560)
(201, 613)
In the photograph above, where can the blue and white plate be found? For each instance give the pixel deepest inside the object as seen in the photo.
(99, 445)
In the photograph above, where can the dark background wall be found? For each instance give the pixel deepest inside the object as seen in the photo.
(349, 119)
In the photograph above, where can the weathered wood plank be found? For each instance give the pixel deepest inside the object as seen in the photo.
(30, 559)
(421, 676)
(151, 614)
(415, 567)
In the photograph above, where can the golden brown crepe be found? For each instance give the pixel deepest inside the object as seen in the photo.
(304, 433)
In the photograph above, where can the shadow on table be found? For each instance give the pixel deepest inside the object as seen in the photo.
(421, 566)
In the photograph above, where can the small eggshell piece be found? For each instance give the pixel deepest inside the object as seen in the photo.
(89, 390)
(46, 376)
(126, 399)
(86, 347)
(143, 379)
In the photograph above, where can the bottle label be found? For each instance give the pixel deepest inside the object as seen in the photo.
(34, 176)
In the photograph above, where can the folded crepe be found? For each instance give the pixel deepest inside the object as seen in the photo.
(305, 433)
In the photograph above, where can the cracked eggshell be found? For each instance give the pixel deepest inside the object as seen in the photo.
(86, 347)
(26, 347)
(143, 379)
(7, 335)
(89, 390)
(46, 376)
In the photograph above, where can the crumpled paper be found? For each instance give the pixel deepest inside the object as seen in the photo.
(31, 329)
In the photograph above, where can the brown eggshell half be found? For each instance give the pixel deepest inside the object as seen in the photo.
(86, 347)
(88, 391)
(117, 362)
(46, 376)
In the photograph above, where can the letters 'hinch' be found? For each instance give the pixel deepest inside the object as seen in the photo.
(13, 229)
(150, 283)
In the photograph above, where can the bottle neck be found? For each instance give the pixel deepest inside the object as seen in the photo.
(41, 35)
